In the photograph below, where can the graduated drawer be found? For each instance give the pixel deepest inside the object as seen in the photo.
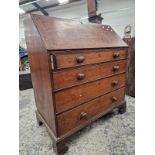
(80, 75)
(88, 111)
(65, 60)
(72, 97)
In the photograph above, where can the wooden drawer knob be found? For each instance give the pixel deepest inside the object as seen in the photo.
(115, 68)
(83, 115)
(80, 76)
(115, 83)
(114, 99)
(115, 54)
(80, 59)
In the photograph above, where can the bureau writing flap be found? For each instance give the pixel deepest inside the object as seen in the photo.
(58, 34)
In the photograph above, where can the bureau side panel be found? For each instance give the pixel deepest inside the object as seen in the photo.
(40, 71)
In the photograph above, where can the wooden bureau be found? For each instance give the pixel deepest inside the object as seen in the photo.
(78, 73)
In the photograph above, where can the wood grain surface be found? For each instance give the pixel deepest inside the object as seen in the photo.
(58, 33)
(80, 115)
(89, 57)
(71, 77)
(74, 96)
(40, 73)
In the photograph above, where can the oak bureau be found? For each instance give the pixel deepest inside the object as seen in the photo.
(78, 73)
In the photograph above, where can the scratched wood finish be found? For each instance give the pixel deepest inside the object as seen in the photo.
(90, 57)
(71, 77)
(74, 96)
(55, 32)
(40, 73)
(73, 118)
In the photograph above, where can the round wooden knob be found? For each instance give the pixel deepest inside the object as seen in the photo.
(115, 68)
(114, 99)
(116, 54)
(80, 59)
(80, 76)
(115, 83)
(83, 115)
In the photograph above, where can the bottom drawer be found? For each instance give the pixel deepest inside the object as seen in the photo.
(82, 114)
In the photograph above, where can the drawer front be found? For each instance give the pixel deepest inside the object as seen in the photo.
(84, 113)
(72, 77)
(83, 58)
(72, 97)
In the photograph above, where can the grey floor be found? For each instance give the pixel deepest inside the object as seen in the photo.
(110, 135)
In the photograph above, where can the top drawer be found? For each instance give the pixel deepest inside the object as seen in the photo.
(65, 60)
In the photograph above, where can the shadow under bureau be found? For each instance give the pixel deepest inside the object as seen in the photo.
(78, 73)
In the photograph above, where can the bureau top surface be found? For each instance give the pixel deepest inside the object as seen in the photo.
(61, 34)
